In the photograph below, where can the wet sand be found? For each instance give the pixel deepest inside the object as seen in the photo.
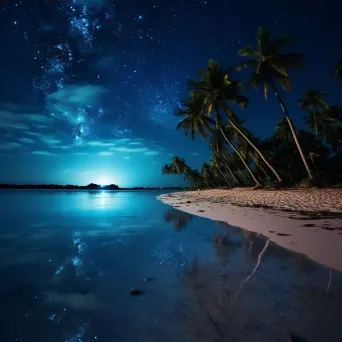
(304, 221)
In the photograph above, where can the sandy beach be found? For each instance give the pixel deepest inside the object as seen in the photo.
(306, 221)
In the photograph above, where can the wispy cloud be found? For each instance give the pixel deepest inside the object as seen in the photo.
(129, 149)
(66, 102)
(10, 146)
(44, 153)
(151, 153)
(61, 147)
(194, 154)
(127, 158)
(13, 116)
(100, 143)
(135, 143)
(81, 153)
(105, 153)
(26, 140)
(46, 138)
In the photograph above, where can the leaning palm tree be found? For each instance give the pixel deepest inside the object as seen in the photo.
(206, 174)
(194, 122)
(282, 131)
(329, 124)
(178, 166)
(269, 67)
(218, 92)
(313, 102)
(166, 170)
(215, 165)
(216, 146)
(225, 133)
(196, 112)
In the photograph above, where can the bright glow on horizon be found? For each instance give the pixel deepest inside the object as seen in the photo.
(103, 180)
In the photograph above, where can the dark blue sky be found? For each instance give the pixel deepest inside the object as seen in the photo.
(88, 88)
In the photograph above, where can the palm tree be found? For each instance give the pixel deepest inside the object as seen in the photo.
(206, 174)
(229, 142)
(216, 146)
(166, 170)
(282, 131)
(270, 66)
(329, 124)
(197, 114)
(313, 103)
(178, 166)
(215, 165)
(218, 91)
(194, 121)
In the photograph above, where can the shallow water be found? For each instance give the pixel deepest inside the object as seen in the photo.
(69, 261)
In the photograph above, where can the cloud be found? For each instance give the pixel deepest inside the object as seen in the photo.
(129, 149)
(105, 153)
(44, 153)
(194, 154)
(135, 143)
(151, 153)
(12, 120)
(62, 147)
(14, 116)
(50, 140)
(9, 146)
(81, 153)
(46, 138)
(100, 143)
(38, 118)
(68, 101)
(26, 140)
(127, 158)
(123, 140)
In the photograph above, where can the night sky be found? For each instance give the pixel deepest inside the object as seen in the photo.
(89, 88)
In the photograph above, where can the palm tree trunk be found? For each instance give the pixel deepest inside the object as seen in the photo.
(243, 176)
(289, 121)
(228, 168)
(230, 185)
(260, 166)
(255, 148)
(314, 113)
(240, 156)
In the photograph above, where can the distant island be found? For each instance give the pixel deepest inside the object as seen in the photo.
(91, 186)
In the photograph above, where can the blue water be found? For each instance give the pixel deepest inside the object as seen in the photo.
(69, 260)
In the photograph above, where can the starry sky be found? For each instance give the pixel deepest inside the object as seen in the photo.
(89, 88)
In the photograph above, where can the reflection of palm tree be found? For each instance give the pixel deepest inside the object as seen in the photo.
(179, 219)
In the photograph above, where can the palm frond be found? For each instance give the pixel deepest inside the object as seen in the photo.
(278, 44)
(249, 51)
(263, 40)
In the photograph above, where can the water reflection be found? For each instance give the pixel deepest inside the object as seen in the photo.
(69, 264)
(179, 219)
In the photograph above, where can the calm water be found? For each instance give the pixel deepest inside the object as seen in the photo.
(69, 261)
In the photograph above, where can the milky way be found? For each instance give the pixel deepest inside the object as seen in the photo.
(85, 70)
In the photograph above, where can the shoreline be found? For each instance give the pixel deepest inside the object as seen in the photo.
(308, 222)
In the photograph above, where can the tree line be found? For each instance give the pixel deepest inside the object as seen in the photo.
(312, 156)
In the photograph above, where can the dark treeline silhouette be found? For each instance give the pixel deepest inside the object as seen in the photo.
(91, 186)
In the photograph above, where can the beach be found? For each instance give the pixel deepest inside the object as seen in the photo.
(305, 221)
